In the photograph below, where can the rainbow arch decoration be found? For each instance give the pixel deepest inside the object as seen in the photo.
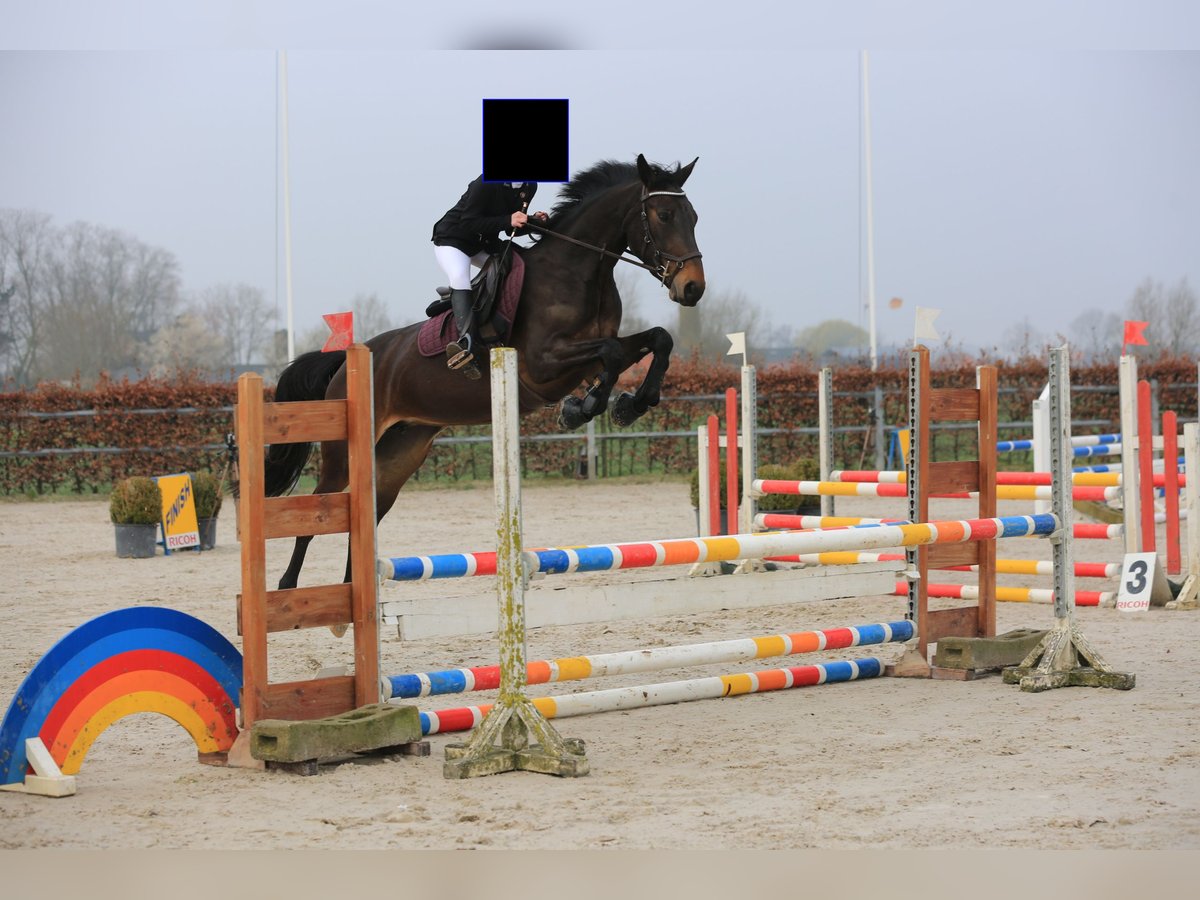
(135, 660)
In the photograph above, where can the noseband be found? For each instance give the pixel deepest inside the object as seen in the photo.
(660, 268)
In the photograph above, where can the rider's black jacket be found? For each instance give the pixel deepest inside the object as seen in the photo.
(484, 210)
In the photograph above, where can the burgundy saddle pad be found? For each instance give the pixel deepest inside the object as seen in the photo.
(440, 330)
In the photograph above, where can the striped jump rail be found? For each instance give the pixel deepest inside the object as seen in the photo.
(1080, 530)
(1003, 566)
(1011, 594)
(877, 489)
(649, 554)
(1090, 479)
(654, 659)
(711, 688)
(1116, 467)
(1108, 448)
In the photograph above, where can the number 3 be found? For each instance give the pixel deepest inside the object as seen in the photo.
(1138, 570)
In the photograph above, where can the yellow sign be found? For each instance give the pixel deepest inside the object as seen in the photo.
(179, 524)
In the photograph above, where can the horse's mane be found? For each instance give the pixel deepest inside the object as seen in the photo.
(585, 186)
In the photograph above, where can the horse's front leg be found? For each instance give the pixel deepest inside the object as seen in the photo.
(614, 359)
(630, 407)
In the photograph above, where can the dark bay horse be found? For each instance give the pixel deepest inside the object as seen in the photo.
(565, 333)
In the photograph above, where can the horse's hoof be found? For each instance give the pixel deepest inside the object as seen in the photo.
(570, 414)
(625, 411)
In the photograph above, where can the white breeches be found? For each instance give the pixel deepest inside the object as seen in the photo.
(457, 265)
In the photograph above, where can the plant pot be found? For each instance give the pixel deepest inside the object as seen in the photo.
(208, 533)
(136, 541)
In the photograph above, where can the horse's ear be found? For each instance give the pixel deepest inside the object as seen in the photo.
(643, 170)
(686, 171)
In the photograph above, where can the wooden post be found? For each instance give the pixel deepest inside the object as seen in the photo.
(926, 478)
(262, 611)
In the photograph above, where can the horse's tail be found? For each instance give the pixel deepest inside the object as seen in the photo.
(306, 378)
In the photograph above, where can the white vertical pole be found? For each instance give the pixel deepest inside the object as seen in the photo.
(506, 483)
(749, 447)
(825, 432)
(1040, 413)
(870, 212)
(1191, 495)
(702, 474)
(591, 450)
(287, 208)
(1130, 497)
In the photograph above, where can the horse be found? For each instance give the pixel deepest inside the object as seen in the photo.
(565, 331)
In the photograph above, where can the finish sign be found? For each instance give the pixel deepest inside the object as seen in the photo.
(179, 524)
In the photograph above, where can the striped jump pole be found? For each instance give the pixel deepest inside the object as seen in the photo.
(897, 490)
(711, 688)
(655, 659)
(1078, 440)
(602, 557)
(1091, 479)
(1003, 566)
(789, 520)
(1108, 449)
(1080, 530)
(685, 551)
(1011, 594)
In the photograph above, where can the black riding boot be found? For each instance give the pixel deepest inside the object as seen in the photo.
(460, 354)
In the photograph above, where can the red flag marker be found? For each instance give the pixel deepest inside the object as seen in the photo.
(1135, 333)
(342, 326)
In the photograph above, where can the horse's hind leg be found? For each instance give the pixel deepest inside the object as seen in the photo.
(334, 477)
(399, 453)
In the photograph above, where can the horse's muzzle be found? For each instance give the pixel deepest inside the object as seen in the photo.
(688, 286)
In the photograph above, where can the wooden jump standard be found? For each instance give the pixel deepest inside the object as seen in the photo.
(261, 611)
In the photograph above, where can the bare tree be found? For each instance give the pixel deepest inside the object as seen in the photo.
(1022, 340)
(25, 239)
(1096, 335)
(107, 295)
(725, 312)
(1173, 314)
(629, 287)
(239, 316)
(1182, 317)
(189, 344)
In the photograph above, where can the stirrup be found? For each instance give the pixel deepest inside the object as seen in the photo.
(460, 359)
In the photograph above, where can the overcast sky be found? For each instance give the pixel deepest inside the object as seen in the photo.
(1028, 167)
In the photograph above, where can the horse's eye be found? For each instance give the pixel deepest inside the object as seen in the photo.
(664, 215)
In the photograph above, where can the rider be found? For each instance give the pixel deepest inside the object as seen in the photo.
(465, 236)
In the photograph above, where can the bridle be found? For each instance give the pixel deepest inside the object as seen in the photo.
(659, 269)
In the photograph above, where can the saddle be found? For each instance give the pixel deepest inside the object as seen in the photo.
(497, 291)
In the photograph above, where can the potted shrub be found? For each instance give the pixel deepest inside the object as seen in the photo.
(135, 509)
(206, 490)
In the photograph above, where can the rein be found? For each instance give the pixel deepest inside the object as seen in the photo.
(659, 269)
